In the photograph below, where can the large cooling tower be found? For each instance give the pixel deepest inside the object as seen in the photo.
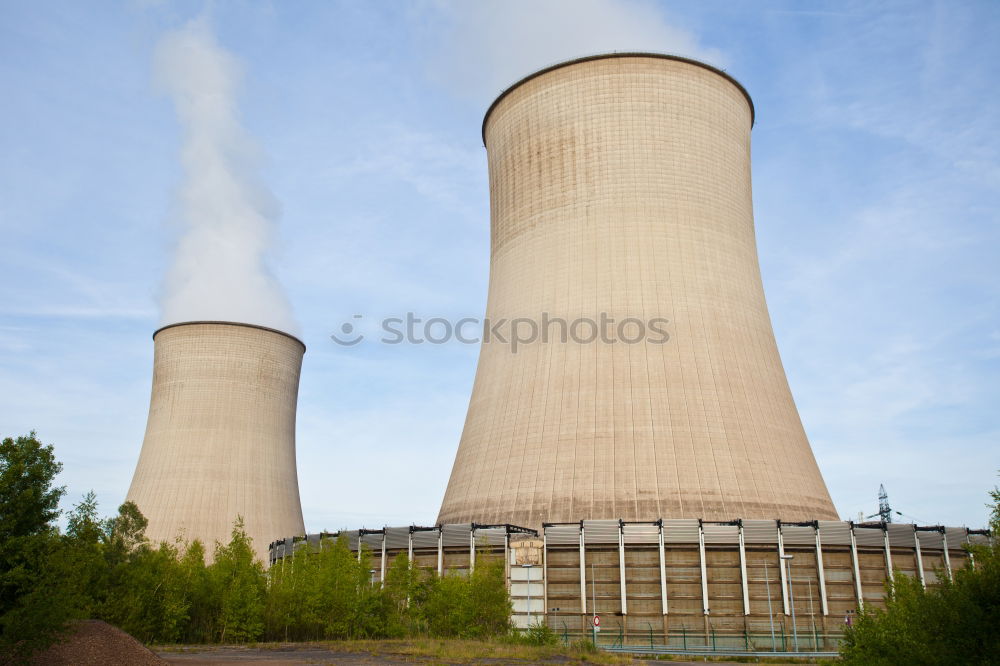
(220, 439)
(620, 184)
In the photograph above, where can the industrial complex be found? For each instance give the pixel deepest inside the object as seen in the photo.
(664, 486)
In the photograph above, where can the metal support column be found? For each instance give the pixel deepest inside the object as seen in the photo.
(857, 570)
(784, 577)
(409, 559)
(583, 573)
(944, 547)
(663, 572)
(506, 558)
(704, 568)
(472, 548)
(440, 551)
(822, 573)
(888, 551)
(621, 566)
(381, 579)
(743, 572)
(920, 558)
(545, 572)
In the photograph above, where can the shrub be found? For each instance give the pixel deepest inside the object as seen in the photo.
(955, 622)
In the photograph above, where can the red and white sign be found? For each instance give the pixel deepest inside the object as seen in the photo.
(597, 620)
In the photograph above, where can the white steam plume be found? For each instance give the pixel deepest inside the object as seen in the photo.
(219, 270)
(497, 42)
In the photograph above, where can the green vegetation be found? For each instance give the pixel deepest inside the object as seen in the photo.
(956, 622)
(328, 594)
(33, 605)
(165, 593)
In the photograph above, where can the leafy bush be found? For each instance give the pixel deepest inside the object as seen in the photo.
(539, 633)
(584, 646)
(955, 622)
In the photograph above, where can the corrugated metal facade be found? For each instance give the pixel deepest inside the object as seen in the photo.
(673, 579)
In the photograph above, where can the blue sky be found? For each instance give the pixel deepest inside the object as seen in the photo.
(876, 159)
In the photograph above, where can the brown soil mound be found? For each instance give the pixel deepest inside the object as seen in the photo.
(96, 643)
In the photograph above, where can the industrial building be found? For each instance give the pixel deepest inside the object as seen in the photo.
(220, 437)
(683, 583)
(620, 189)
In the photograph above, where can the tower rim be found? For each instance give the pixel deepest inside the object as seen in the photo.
(228, 323)
(616, 54)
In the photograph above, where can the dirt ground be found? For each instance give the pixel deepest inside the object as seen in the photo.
(312, 654)
(273, 656)
(96, 643)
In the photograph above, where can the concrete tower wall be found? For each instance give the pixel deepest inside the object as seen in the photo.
(220, 439)
(621, 185)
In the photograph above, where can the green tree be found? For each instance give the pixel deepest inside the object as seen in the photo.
(82, 560)
(472, 606)
(340, 579)
(401, 591)
(239, 581)
(29, 500)
(446, 605)
(491, 606)
(955, 622)
(202, 604)
(126, 532)
(33, 610)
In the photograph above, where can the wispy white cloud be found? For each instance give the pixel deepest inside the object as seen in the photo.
(439, 169)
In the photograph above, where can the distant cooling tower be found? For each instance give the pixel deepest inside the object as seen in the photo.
(620, 184)
(220, 439)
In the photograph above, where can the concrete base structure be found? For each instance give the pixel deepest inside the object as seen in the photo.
(687, 584)
(220, 438)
